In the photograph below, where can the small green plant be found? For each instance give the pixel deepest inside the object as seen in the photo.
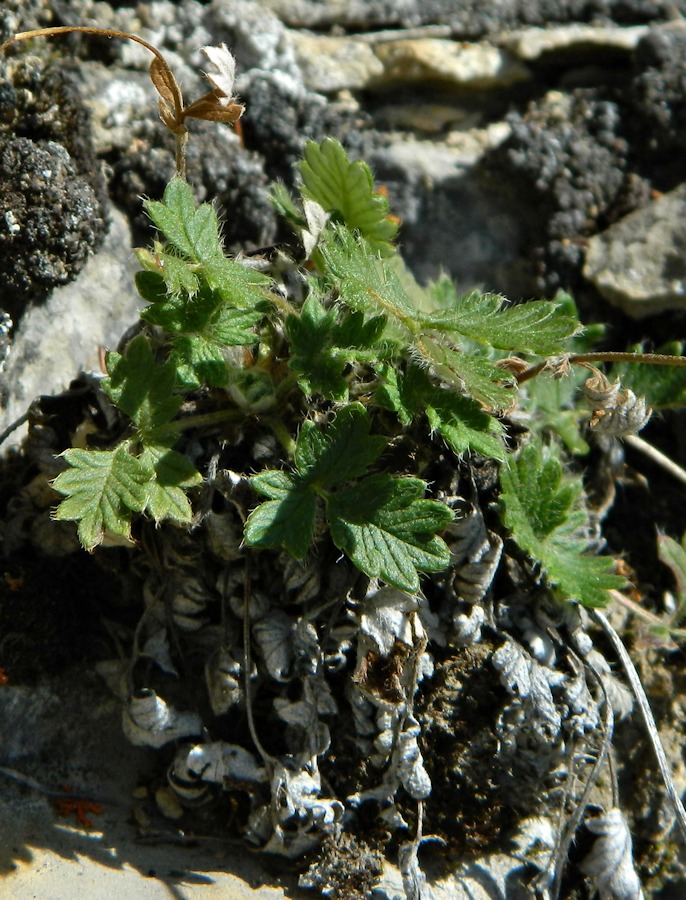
(338, 370)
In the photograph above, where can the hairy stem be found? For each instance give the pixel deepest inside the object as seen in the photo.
(651, 359)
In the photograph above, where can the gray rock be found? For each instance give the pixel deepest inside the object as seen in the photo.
(58, 338)
(331, 64)
(475, 66)
(532, 43)
(639, 264)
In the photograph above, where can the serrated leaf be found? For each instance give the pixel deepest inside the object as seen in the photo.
(365, 282)
(387, 531)
(199, 361)
(345, 450)
(193, 231)
(475, 375)
(324, 342)
(542, 508)
(347, 188)
(285, 206)
(459, 420)
(140, 387)
(288, 519)
(465, 426)
(102, 489)
(172, 473)
(179, 276)
(534, 327)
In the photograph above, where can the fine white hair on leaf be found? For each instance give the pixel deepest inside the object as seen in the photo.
(224, 74)
(610, 864)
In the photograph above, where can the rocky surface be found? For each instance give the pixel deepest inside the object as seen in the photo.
(525, 146)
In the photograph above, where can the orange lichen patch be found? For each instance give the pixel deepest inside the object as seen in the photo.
(4, 678)
(65, 807)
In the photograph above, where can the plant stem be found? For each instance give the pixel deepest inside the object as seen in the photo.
(199, 421)
(647, 715)
(651, 359)
(656, 456)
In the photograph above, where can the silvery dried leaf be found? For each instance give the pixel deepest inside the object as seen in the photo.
(156, 648)
(222, 763)
(414, 777)
(306, 649)
(223, 679)
(274, 636)
(224, 534)
(524, 677)
(385, 617)
(620, 696)
(466, 535)
(467, 628)
(610, 864)
(259, 604)
(188, 602)
(296, 794)
(148, 721)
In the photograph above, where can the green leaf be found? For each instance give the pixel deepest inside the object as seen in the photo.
(323, 343)
(171, 473)
(102, 489)
(534, 327)
(345, 450)
(673, 555)
(285, 206)
(287, 519)
(475, 375)
(140, 387)
(200, 330)
(193, 231)
(346, 188)
(542, 507)
(365, 282)
(387, 531)
(459, 420)
(464, 426)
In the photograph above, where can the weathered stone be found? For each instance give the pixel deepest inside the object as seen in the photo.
(331, 64)
(533, 43)
(475, 66)
(639, 264)
(58, 338)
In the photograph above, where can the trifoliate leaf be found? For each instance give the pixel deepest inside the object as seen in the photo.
(171, 473)
(345, 450)
(199, 361)
(542, 508)
(346, 188)
(387, 531)
(140, 387)
(287, 519)
(535, 327)
(102, 489)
